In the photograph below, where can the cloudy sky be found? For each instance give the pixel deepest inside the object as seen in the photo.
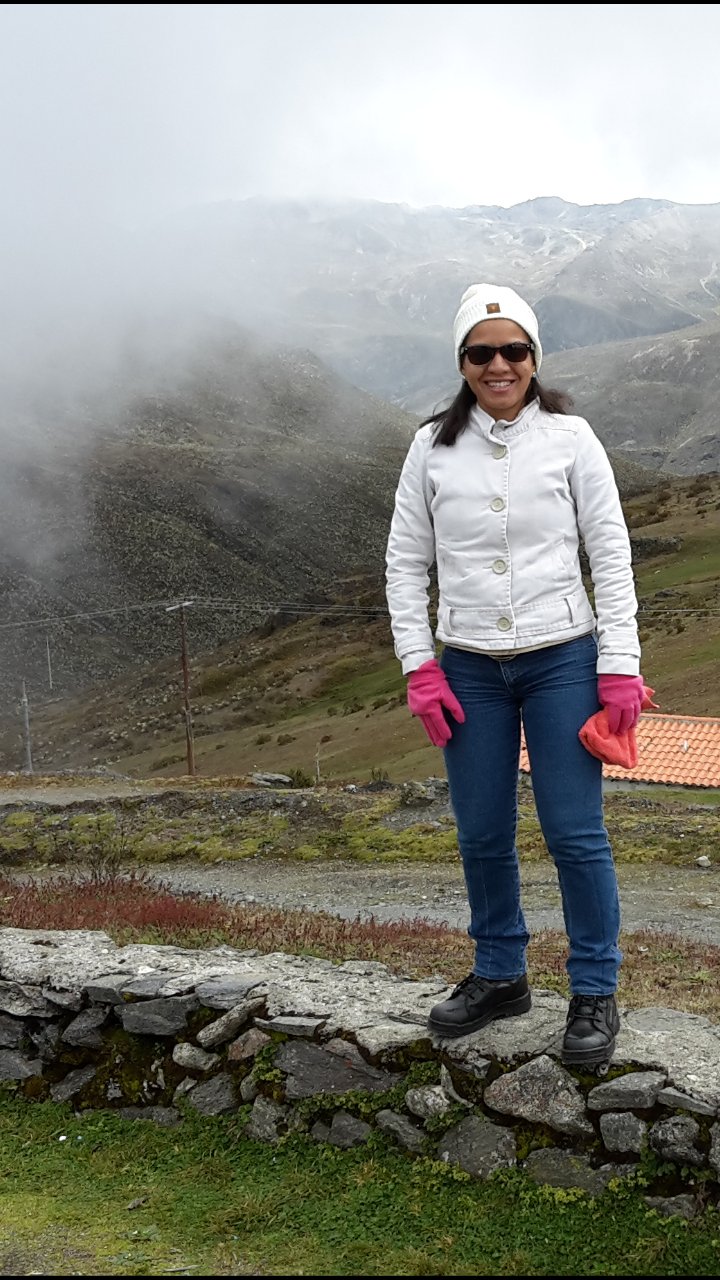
(115, 119)
(129, 111)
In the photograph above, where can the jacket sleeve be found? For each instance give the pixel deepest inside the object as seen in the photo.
(410, 553)
(607, 542)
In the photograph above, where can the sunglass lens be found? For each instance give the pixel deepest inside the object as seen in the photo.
(512, 351)
(480, 355)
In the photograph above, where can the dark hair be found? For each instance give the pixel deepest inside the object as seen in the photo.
(450, 422)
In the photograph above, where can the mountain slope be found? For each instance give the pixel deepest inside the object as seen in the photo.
(654, 400)
(372, 288)
(320, 687)
(232, 471)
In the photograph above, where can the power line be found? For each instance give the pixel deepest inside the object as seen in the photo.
(286, 606)
(91, 613)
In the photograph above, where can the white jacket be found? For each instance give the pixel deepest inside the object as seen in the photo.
(501, 512)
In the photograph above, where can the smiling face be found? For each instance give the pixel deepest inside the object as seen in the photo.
(500, 387)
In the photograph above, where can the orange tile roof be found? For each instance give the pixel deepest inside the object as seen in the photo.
(675, 750)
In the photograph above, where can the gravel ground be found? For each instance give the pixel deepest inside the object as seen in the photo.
(680, 900)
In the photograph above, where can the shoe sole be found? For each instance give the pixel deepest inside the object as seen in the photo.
(512, 1009)
(588, 1057)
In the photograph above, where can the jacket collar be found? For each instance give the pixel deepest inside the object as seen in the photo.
(481, 422)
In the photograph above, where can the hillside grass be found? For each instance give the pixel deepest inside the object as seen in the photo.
(323, 694)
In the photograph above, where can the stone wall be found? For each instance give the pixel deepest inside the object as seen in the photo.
(340, 1051)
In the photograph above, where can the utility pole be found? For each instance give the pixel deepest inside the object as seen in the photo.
(47, 643)
(180, 609)
(26, 729)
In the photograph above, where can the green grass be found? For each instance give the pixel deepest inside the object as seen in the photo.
(669, 826)
(210, 1201)
(698, 561)
(684, 795)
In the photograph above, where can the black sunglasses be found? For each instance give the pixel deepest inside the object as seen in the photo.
(515, 352)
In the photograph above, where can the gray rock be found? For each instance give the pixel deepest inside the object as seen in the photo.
(382, 1038)
(346, 1051)
(184, 1088)
(623, 1131)
(164, 1017)
(478, 1146)
(249, 1088)
(714, 1153)
(682, 1101)
(84, 1031)
(46, 1041)
(553, 1167)
(311, 1070)
(228, 1025)
(636, 1090)
(166, 1117)
(686, 1044)
(214, 1097)
(12, 1031)
(267, 1120)
(15, 1066)
(24, 1001)
(291, 1026)
(229, 991)
(428, 1100)
(192, 1058)
(106, 989)
(347, 1131)
(71, 1000)
(684, 1206)
(675, 1138)
(248, 1045)
(403, 1130)
(73, 1083)
(446, 1081)
(542, 1092)
(147, 987)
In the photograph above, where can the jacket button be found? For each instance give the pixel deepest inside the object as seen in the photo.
(499, 451)
(499, 566)
(504, 624)
(497, 504)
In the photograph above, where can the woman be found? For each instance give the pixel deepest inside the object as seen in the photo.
(498, 490)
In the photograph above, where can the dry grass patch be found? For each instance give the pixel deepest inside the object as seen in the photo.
(659, 968)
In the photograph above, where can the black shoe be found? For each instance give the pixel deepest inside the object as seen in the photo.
(477, 1001)
(592, 1025)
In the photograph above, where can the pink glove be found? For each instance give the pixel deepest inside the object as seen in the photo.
(427, 693)
(622, 698)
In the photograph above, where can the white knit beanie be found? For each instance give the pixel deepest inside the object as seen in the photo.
(494, 302)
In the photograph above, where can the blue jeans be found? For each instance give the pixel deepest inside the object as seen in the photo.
(553, 691)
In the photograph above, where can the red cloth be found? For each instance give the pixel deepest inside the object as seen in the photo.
(613, 748)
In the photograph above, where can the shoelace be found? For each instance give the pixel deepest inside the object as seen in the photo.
(472, 978)
(590, 1007)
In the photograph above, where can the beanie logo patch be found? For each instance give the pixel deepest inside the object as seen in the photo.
(492, 308)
